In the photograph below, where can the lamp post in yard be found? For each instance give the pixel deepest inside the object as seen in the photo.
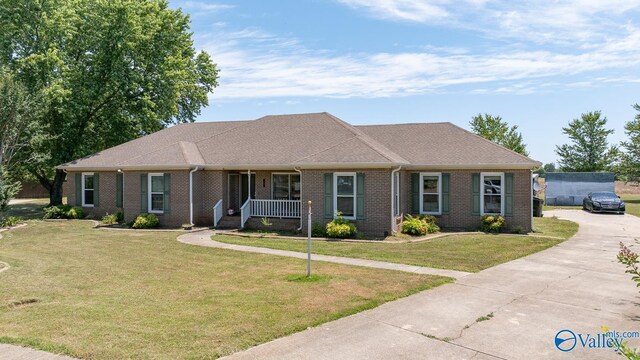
(309, 241)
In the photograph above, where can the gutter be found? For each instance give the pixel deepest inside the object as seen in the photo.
(300, 172)
(191, 194)
(393, 222)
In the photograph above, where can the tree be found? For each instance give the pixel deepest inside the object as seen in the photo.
(589, 150)
(494, 129)
(550, 167)
(107, 71)
(17, 110)
(630, 163)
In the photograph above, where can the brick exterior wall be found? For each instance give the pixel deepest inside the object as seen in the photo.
(377, 207)
(106, 194)
(211, 186)
(460, 215)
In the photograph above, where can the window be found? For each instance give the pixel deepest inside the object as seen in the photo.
(285, 187)
(431, 193)
(88, 190)
(156, 193)
(491, 188)
(345, 194)
(397, 194)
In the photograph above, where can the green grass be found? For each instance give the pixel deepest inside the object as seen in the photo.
(632, 204)
(105, 294)
(28, 210)
(552, 226)
(458, 252)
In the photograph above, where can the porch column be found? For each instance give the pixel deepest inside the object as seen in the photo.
(249, 184)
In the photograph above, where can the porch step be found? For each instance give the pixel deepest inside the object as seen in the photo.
(229, 222)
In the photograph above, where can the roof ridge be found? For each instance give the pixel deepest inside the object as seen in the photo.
(369, 141)
(411, 123)
(491, 142)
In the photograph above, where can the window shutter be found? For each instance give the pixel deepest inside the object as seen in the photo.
(144, 199)
(415, 193)
(508, 194)
(475, 192)
(119, 186)
(96, 190)
(328, 196)
(78, 189)
(360, 196)
(445, 193)
(167, 193)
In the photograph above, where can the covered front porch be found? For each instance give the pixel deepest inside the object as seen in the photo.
(260, 194)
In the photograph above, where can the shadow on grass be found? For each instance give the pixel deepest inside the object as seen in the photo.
(28, 210)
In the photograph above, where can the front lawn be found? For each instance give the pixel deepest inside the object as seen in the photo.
(457, 252)
(121, 294)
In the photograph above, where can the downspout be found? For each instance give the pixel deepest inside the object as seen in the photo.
(393, 200)
(300, 172)
(122, 172)
(531, 184)
(190, 195)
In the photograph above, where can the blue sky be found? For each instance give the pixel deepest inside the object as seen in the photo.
(538, 64)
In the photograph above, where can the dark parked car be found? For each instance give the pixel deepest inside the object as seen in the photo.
(603, 202)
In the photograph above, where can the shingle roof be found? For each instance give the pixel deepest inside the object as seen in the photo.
(302, 140)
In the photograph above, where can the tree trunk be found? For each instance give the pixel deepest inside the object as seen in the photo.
(55, 193)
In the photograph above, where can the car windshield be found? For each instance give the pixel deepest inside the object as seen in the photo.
(604, 195)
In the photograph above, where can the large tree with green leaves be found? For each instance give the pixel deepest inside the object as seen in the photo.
(589, 149)
(107, 71)
(495, 129)
(631, 157)
(17, 111)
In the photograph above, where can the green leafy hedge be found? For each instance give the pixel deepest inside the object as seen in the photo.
(146, 221)
(63, 212)
(419, 225)
(493, 223)
(340, 228)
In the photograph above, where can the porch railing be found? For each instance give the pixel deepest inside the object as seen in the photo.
(245, 212)
(217, 213)
(275, 208)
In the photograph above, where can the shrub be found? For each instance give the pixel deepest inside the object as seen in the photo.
(56, 212)
(493, 223)
(419, 225)
(110, 219)
(10, 221)
(75, 213)
(146, 221)
(340, 228)
(317, 230)
(518, 230)
(414, 226)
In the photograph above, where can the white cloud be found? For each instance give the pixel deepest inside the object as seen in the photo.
(203, 7)
(410, 10)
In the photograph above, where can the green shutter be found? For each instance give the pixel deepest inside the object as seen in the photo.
(508, 193)
(475, 191)
(78, 189)
(167, 193)
(445, 193)
(144, 187)
(96, 190)
(328, 196)
(119, 186)
(415, 193)
(360, 196)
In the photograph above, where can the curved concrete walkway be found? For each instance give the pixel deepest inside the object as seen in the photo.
(13, 352)
(203, 238)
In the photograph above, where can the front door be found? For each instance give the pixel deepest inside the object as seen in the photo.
(244, 185)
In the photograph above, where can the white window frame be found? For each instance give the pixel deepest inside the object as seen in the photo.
(502, 186)
(289, 188)
(335, 194)
(84, 175)
(150, 194)
(397, 194)
(439, 176)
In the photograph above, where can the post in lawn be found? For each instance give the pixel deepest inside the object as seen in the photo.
(309, 241)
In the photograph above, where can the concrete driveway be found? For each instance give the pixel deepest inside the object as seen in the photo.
(577, 285)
